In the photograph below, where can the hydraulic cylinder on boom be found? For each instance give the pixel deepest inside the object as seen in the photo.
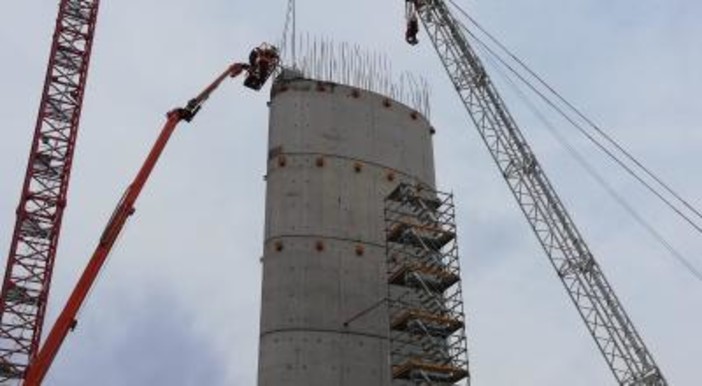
(259, 68)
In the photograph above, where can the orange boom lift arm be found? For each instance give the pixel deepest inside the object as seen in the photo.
(258, 71)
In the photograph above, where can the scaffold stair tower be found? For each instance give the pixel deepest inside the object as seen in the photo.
(427, 321)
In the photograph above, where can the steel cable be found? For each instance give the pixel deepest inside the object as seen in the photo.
(591, 170)
(587, 120)
(496, 60)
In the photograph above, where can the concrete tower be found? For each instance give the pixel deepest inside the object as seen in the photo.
(335, 153)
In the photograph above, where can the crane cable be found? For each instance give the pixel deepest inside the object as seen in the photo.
(591, 170)
(590, 137)
(580, 128)
(685, 262)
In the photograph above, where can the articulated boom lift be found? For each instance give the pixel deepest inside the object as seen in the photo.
(262, 63)
(603, 314)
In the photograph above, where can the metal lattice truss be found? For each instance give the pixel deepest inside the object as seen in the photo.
(608, 323)
(427, 322)
(29, 265)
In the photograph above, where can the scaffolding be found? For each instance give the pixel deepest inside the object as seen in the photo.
(426, 317)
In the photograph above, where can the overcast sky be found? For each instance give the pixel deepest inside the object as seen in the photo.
(178, 303)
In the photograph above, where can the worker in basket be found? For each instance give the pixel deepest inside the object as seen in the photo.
(262, 61)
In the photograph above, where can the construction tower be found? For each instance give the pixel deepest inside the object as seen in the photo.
(335, 153)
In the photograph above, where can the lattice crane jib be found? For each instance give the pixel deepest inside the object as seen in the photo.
(35, 238)
(615, 335)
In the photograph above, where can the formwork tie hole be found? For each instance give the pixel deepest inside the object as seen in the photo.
(319, 246)
(360, 250)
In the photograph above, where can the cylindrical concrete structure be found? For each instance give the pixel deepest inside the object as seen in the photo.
(335, 153)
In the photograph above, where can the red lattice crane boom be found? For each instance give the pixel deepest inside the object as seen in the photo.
(30, 262)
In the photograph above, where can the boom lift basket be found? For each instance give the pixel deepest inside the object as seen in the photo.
(263, 61)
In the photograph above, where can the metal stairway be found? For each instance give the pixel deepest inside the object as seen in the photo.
(427, 322)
